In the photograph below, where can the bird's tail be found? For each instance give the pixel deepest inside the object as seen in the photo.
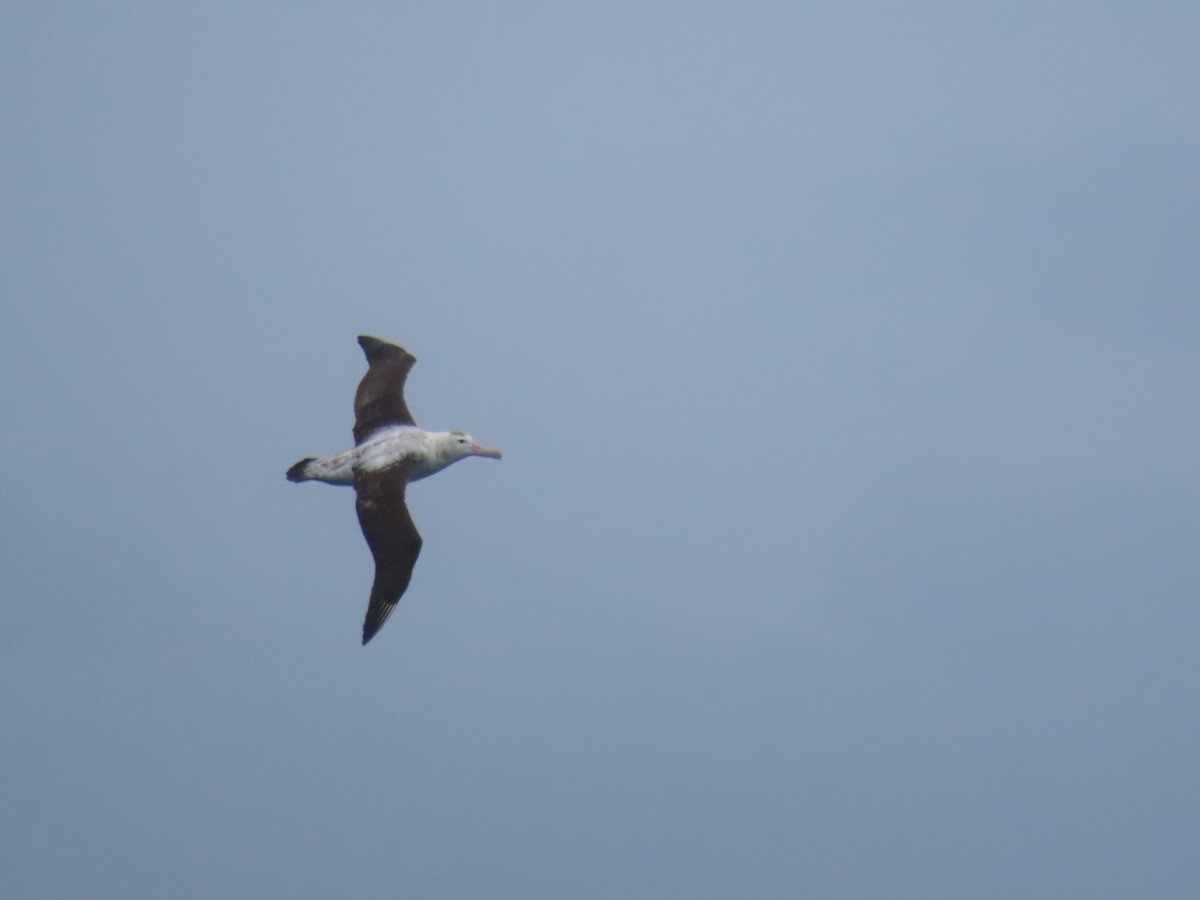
(299, 472)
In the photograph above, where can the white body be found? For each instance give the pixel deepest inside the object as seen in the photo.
(424, 452)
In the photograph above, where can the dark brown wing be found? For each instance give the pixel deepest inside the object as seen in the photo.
(392, 537)
(380, 397)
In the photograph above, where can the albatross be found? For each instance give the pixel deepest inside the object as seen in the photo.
(389, 452)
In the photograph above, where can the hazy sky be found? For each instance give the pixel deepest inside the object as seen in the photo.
(845, 360)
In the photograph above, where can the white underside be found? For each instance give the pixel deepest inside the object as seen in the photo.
(417, 448)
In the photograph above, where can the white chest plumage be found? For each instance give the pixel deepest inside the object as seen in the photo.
(415, 447)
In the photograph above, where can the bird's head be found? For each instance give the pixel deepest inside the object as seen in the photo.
(461, 445)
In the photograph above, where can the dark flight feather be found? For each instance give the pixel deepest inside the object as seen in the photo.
(392, 537)
(380, 398)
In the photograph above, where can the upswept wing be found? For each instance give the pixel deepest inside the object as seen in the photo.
(392, 537)
(380, 398)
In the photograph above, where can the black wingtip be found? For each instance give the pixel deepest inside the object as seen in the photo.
(371, 627)
(376, 349)
(376, 617)
(297, 472)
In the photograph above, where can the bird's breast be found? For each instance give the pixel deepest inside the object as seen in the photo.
(403, 445)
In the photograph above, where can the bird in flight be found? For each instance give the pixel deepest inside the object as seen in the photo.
(389, 452)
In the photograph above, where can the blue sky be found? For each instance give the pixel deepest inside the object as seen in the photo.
(844, 360)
